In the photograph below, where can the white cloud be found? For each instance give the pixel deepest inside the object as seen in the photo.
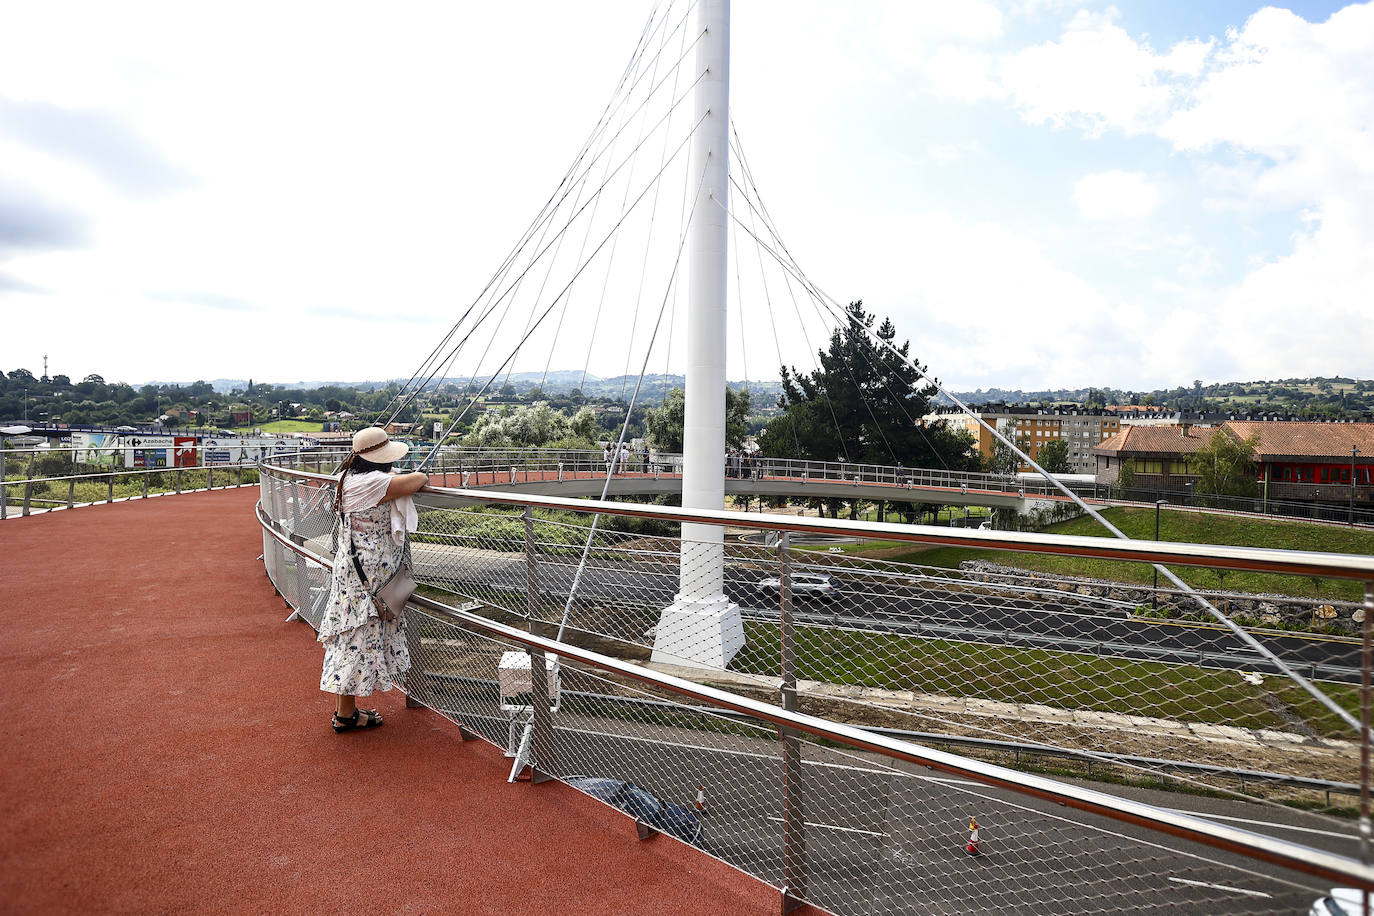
(1115, 195)
(946, 153)
(1097, 76)
(967, 76)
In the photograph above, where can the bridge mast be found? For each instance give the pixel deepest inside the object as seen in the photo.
(702, 626)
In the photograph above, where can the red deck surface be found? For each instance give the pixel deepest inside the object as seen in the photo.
(167, 749)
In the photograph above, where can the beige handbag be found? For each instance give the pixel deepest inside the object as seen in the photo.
(392, 594)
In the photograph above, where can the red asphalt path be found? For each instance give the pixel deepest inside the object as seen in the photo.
(167, 749)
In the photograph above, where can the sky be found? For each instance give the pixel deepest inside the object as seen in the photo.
(1039, 193)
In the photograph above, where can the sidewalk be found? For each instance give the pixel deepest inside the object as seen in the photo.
(168, 750)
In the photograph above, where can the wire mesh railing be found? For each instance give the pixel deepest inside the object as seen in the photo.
(1015, 679)
(480, 467)
(39, 480)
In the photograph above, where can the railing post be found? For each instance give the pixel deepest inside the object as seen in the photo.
(1366, 658)
(71, 492)
(28, 483)
(145, 486)
(109, 486)
(539, 680)
(4, 490)
(176, 476)
(209, 477)
(793, 797)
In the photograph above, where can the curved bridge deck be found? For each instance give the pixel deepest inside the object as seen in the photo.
(168, 750)
(588, 483)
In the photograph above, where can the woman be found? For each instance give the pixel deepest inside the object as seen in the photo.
(363, 652)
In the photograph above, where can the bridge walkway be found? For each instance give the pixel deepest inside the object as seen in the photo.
(168, 750)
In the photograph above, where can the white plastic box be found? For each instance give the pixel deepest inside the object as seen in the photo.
(513, 673)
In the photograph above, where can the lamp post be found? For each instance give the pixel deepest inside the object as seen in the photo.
(1154, 594)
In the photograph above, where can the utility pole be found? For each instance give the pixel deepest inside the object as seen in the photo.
(702, 626)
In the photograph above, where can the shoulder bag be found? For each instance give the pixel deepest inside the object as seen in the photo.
(392, 593)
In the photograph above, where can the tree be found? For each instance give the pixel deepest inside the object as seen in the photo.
(1125, 477)
(864, 403)
(583, 424)
(665, 424)
(1054, 456)
(1226, 466)
(1003, 459)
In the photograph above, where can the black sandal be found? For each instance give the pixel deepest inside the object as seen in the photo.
(349, 723)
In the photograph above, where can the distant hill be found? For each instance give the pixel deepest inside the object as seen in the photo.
(1333, 398)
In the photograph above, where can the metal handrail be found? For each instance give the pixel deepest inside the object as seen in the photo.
(1289, 562)
(1319, 863)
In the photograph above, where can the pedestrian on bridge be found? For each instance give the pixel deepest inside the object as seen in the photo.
(363, 652)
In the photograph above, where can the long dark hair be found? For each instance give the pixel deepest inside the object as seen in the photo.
(356, 464)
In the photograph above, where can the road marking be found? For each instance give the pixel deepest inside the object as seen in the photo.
(837, 827)
(1222, 887)
(1274, 824)
(757, 756)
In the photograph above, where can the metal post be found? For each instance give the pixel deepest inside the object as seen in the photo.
(1366, 656)
(28, 483)
(4, 490)
(539, 681)
(71, 493)
(176, 476)
(1154, 594)
(793, 797)
(145, 486)
(109, 486)
(1353, 452)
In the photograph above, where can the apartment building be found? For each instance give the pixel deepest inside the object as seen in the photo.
(1082, 429)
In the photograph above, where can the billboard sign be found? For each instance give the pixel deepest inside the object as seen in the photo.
(248, 449)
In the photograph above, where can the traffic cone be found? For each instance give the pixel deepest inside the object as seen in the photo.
(972, 847)
(701, 798)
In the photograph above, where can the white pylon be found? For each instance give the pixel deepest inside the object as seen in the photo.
(702, 627)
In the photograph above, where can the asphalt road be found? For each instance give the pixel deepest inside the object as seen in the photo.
(913, 606)
(885, 839)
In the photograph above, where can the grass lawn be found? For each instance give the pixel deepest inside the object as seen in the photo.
(1191, 527)
(283, 426)
(1063, 680)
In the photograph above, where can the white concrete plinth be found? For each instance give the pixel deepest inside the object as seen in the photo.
(701, 634)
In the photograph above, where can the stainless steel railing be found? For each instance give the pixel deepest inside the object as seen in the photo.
(455, 673)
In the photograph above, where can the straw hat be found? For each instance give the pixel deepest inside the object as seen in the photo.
(372, 443)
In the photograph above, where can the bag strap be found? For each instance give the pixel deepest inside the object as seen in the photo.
(353, 552)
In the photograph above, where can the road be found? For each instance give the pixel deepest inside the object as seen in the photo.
(908, 605)
(890, 839)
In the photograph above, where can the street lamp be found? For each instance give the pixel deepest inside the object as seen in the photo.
(1154, 595)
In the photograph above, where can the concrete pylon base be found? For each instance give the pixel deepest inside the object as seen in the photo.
(701, 634)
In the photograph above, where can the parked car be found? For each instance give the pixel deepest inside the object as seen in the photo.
(1344, 901)
(642, 805)
(804, 585)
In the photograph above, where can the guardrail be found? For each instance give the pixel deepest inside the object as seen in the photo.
(183, 479)
(568, 463)
(786, 797)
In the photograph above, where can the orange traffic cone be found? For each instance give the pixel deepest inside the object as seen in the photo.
(972, 847)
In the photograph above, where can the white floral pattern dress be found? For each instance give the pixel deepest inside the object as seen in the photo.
(362, 652)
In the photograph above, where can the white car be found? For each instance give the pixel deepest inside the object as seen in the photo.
(1344, 901)
(804, 585)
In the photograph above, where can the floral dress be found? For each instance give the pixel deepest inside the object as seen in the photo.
(362, 652)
